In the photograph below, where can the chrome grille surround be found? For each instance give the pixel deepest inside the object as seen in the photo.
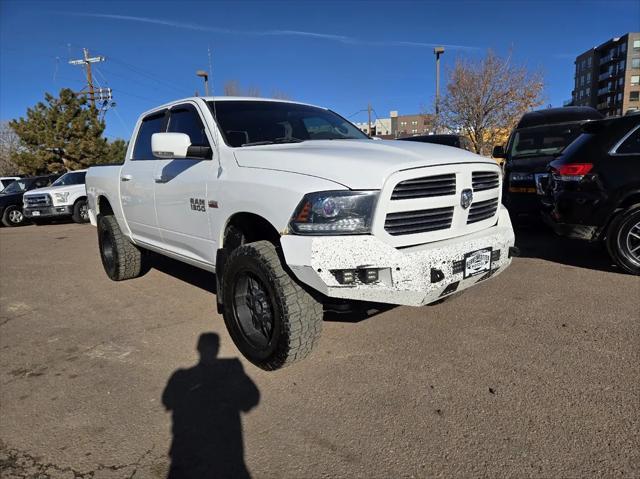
(37, 201)
(410, 221)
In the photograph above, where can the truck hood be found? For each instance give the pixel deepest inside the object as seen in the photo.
(356, 164)
(52, 189)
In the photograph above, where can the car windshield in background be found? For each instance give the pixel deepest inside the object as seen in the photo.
(70, 179)
(543, 140)
(17, 186)
(249, 123)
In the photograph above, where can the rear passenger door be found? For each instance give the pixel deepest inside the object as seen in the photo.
(181, 190)
(137, 182)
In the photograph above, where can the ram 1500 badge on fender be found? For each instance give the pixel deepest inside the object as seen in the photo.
(294, 208)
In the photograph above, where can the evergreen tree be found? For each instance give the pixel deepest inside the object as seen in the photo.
(62, 134)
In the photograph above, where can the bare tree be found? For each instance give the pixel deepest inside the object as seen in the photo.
(9, 144)
(487, 97)
(232, 88)
(280, 95)
(253, 91)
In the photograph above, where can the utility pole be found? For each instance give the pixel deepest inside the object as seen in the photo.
(369, 114)
(437, 51)
(91, 92)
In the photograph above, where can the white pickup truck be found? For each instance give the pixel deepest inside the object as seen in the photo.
(65, 197)
(294, 209)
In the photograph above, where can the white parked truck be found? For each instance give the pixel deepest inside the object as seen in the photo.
(65, 197)
(294, 208)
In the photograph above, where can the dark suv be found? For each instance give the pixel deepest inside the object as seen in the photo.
(457, 141)
(537, 139)
(594, 189)
(11, 198)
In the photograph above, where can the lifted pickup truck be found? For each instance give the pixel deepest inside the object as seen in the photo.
(294, 208)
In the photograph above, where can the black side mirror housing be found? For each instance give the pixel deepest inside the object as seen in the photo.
(498, 152)
(200, 152)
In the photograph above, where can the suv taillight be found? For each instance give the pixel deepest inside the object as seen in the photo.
(572, 171)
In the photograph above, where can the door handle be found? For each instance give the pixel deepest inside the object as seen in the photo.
(126, 178)
(161, 179)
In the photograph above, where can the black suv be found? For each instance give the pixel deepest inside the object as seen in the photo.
(539, 137)
(457, 141)
(594, 189)
(11, 197)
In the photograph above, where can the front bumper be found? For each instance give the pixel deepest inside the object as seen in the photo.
(48, 211)
(405, 274)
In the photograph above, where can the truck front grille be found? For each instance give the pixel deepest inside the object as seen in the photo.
(438, 185)
(34, 201)
(421, 221)
(485, 180)
(482, 210)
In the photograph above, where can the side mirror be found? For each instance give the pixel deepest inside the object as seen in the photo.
(498, 151)
(177, 146)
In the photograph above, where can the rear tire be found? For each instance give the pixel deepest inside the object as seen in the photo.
(80, 212)
(121, 259)
(13, 216)
(271, 319)
(623, 239)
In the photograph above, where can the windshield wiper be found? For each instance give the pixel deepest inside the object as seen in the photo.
(273, 142)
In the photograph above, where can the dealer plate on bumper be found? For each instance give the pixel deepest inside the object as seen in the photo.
(477, 262)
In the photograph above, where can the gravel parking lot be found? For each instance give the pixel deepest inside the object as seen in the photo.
(532, 374)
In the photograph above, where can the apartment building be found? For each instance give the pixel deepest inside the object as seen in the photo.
(399, 126)
(607, 77)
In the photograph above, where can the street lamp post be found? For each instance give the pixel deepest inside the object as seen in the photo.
(437, 51)
(205, 75)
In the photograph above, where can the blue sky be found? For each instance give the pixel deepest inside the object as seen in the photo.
(333, 53)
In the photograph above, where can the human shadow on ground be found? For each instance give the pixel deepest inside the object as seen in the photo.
(206, 402)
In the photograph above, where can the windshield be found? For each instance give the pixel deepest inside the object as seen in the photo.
(17, 186)
(247, 123)
(543, 140)
(70, 179)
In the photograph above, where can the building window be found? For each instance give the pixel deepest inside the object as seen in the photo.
(635, 79)
(589, 77)
(619, 97)
(636, 44)
(635, 63)
(623, 47)
(621, 81)
(589, 61)
(634, 96)
(621, 66)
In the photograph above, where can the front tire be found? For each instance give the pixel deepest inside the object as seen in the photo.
(13, 216)
(623, 240)
(80, 212)
(121, 259)
(271, 319)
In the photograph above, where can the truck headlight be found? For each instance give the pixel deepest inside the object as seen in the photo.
(61, 197)
(334, 213)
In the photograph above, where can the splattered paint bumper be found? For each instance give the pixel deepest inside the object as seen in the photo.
(406, 276)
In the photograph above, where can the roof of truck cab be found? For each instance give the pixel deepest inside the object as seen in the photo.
(228, 98)
(565, 114)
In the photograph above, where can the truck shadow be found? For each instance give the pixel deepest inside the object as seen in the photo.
(206, 402)
(182, 271)
(207, 282)
(537, 241)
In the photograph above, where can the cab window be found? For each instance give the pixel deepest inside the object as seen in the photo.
(185, 119)
(154, 123)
